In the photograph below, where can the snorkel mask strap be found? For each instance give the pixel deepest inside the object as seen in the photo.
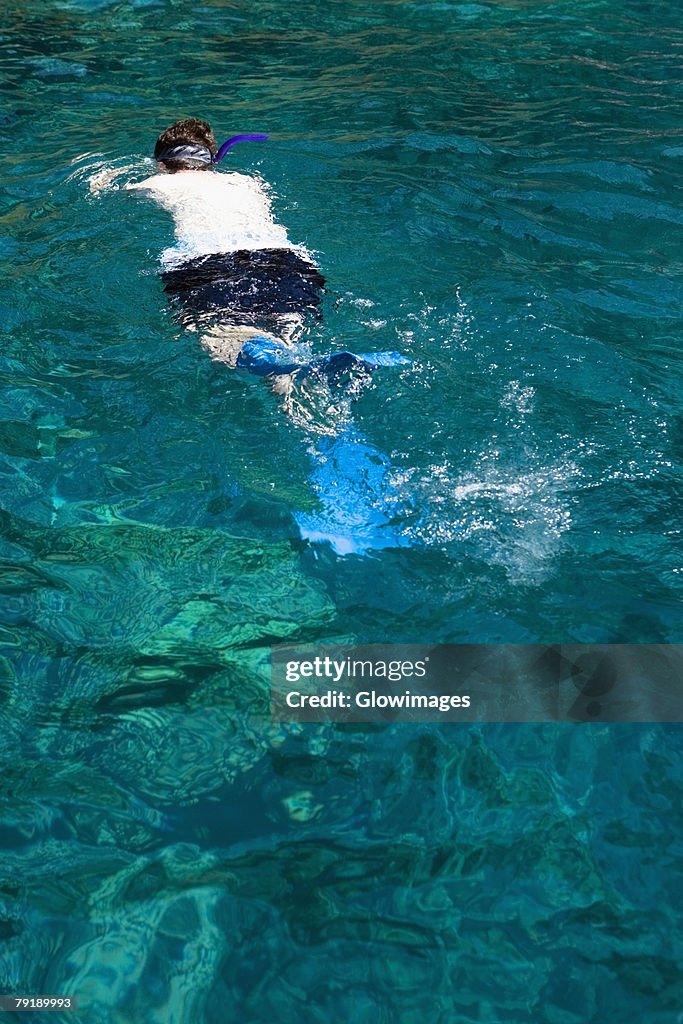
(199, 154)
(233, 141)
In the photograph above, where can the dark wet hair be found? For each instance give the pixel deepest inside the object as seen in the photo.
(187, 145)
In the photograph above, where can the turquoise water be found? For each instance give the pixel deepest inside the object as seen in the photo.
(494, 190)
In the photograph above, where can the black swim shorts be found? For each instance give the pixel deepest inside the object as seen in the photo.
(254, 287)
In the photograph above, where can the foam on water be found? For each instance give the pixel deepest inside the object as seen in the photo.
(514, 516)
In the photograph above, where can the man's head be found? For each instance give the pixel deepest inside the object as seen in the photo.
(188, 145)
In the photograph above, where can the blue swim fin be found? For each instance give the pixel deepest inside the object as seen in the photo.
(266, 357)
(358, 504)
(375, 359)
(343, 362)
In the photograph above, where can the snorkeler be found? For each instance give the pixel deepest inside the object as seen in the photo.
(234, 272)
(234, 276)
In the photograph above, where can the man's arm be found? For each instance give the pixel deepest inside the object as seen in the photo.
(107, 179)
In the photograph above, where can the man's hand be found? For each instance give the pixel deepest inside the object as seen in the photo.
(103, 179)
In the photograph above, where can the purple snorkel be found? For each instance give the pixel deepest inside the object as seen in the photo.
(232, 141)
